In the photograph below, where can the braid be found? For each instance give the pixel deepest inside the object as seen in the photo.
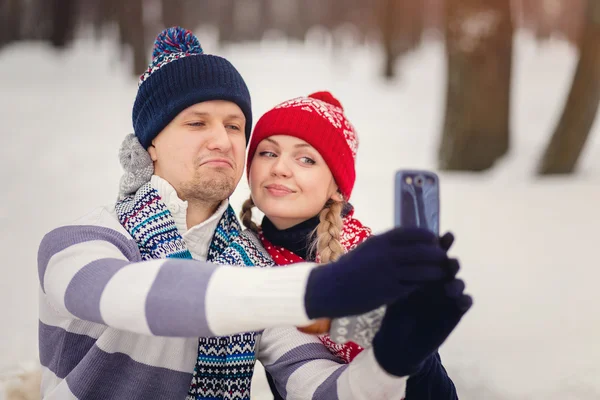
(246, 215)
(328, 231)
(329, 248)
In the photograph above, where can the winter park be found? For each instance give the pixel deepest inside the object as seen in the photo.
(498, 98)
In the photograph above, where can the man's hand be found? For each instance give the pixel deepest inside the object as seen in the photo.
(413, 329)
(383, 269)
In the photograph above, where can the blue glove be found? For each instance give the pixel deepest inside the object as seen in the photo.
(381, 270)
(413, 329)
(431, 382)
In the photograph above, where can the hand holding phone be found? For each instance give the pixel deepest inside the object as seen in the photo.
(416, 204)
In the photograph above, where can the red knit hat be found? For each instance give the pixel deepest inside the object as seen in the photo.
(320, 121)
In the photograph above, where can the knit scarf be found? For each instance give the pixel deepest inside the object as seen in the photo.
(353, 233)
(224, 365)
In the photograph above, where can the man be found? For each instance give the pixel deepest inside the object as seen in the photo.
(127, 291)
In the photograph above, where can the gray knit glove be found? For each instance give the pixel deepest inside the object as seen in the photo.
(137, 164)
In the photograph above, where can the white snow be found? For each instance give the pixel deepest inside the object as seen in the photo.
(528, 246)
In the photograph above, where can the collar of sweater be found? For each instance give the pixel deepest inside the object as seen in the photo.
(198, 237)
(297, 238)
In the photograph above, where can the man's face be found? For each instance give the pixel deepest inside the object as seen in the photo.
(201, 153)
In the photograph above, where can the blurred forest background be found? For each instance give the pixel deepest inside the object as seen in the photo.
(478, 35)
(542, 236)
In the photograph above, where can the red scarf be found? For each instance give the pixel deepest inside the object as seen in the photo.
(353, 233)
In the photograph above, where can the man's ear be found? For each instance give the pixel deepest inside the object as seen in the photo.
(152, 152)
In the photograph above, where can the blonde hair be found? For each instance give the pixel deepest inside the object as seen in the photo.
(326, 243)
(246, 215)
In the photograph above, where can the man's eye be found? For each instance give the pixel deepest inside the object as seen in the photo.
(196, 124)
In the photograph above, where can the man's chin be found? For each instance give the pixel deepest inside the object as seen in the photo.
(216, 188)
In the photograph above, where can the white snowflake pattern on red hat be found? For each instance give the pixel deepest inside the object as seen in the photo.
(332, 113)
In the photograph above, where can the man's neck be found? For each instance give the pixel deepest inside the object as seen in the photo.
(198, 212)
(187, 213)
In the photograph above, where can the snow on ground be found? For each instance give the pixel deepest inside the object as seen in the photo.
(527, 245)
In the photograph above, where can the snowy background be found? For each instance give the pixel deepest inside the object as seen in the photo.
(528, 246)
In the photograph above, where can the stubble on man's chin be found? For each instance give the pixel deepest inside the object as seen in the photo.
(209, 189)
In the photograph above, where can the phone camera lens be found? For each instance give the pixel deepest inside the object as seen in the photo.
(419, 180)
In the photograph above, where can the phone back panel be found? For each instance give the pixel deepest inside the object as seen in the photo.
(417, 200)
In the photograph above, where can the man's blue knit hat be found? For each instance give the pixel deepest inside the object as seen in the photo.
(179, 76)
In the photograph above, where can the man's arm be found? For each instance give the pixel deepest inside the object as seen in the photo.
(303, 368)
(94, 272)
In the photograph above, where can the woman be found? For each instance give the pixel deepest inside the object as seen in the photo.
(301, 170)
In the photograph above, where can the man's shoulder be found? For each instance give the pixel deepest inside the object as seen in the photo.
(104, 215)
(101, 218)
(97, 215)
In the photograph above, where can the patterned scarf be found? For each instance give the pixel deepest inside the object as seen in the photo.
(225, 364)
(353, 233)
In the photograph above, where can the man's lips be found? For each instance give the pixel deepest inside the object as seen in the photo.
(218, 162)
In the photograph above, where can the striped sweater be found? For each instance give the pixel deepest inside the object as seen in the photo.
(115, 327)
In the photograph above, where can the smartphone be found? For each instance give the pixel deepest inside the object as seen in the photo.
(417, 200)
(416, 204)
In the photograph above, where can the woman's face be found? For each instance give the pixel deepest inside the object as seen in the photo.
(289, 180)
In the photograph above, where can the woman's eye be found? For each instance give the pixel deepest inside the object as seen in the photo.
(307, 160)
(267, 154)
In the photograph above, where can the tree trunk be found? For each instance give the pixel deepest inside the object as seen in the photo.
(581, 108)
(225, 22)
(63, 22)
(104, 12)
(265, 17)
(479, 56)
(132, 32)
(172, 13)
(299, 25)
(389, 33)
(11, 17)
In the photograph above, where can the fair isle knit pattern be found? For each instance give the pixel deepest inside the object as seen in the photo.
(157, 64)
(224, 367)
(242, 250)
(225, 364)
(329, 112)
(150, 223)
(227, 230)
(171, 45)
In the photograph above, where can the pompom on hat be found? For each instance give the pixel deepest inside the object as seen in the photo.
(179, 76)
(319, 120)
